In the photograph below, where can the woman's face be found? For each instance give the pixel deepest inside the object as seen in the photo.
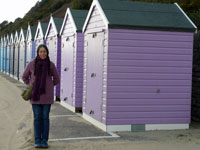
(42, 53)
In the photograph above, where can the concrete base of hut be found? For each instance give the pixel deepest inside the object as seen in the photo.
(16, 78)
(64, 104)
(136, 127)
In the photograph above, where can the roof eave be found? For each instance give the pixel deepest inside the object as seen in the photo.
(115, 26)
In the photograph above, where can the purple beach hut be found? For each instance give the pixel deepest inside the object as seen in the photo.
(137, 66)
(72, 50)
(11, 55)
(40, 35)
(53, 42)
(16, 56)
(30, 43)
(22, 52)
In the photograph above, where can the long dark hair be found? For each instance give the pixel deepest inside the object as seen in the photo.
(48, 59)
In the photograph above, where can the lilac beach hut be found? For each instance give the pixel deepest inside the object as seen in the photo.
(137, 66)
(40, 35)
(16, 56)
(22, 52)
(11, 55)
(7, 58)
(30, 43)
(5, 41)
(72, 50)
(6, 54)
(53, 42)
(1, 53)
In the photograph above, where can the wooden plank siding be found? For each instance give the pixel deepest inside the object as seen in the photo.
(58, 64)
(51, 32)
(78, 69)
(149, 77)
(68, 28)
(95, 23)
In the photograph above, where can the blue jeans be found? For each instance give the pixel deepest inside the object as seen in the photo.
(41, 122)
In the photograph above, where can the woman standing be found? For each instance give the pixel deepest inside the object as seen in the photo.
(41, 73)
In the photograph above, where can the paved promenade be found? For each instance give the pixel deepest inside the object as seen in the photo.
(69, 131)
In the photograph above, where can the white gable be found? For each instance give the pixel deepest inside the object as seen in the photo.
(39, 32)
(68, 16)
(11, 39)
(96, 4)
(8, 39)
(21, 36)
(51, 29)
(28, 34)
(16, 38)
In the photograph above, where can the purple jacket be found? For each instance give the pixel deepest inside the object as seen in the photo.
(29, 78)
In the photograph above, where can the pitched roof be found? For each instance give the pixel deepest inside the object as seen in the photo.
(58, 22)
(44, 27)
(145, 14)
(33, 31)
(23, 32)
(79, 17)
(11, 38)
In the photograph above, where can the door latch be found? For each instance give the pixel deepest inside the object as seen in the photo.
(91, 112)
(65, 99)
(93, 75)
(66, 69)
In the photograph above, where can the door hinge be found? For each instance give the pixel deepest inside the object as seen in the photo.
(103, 42)
(71, 95)
(86, 43)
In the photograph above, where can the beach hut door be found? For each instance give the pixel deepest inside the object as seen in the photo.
(29, 52)
(94, 78)
(16, 61)
(67, 69)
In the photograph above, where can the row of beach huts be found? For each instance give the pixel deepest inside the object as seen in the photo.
(126, 65)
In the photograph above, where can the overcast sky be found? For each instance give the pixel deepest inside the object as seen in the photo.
(12, 9)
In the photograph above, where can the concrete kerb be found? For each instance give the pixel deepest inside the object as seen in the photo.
(112, 135)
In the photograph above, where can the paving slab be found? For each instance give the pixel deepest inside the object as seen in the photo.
(71, 125)
(57, 109)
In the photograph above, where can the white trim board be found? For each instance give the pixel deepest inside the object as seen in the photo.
(11, 76)
(64, 104)
(166, 126)
(21, 80)
(113, 128)
(94, 121)
(186, 16)
(15, 78)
